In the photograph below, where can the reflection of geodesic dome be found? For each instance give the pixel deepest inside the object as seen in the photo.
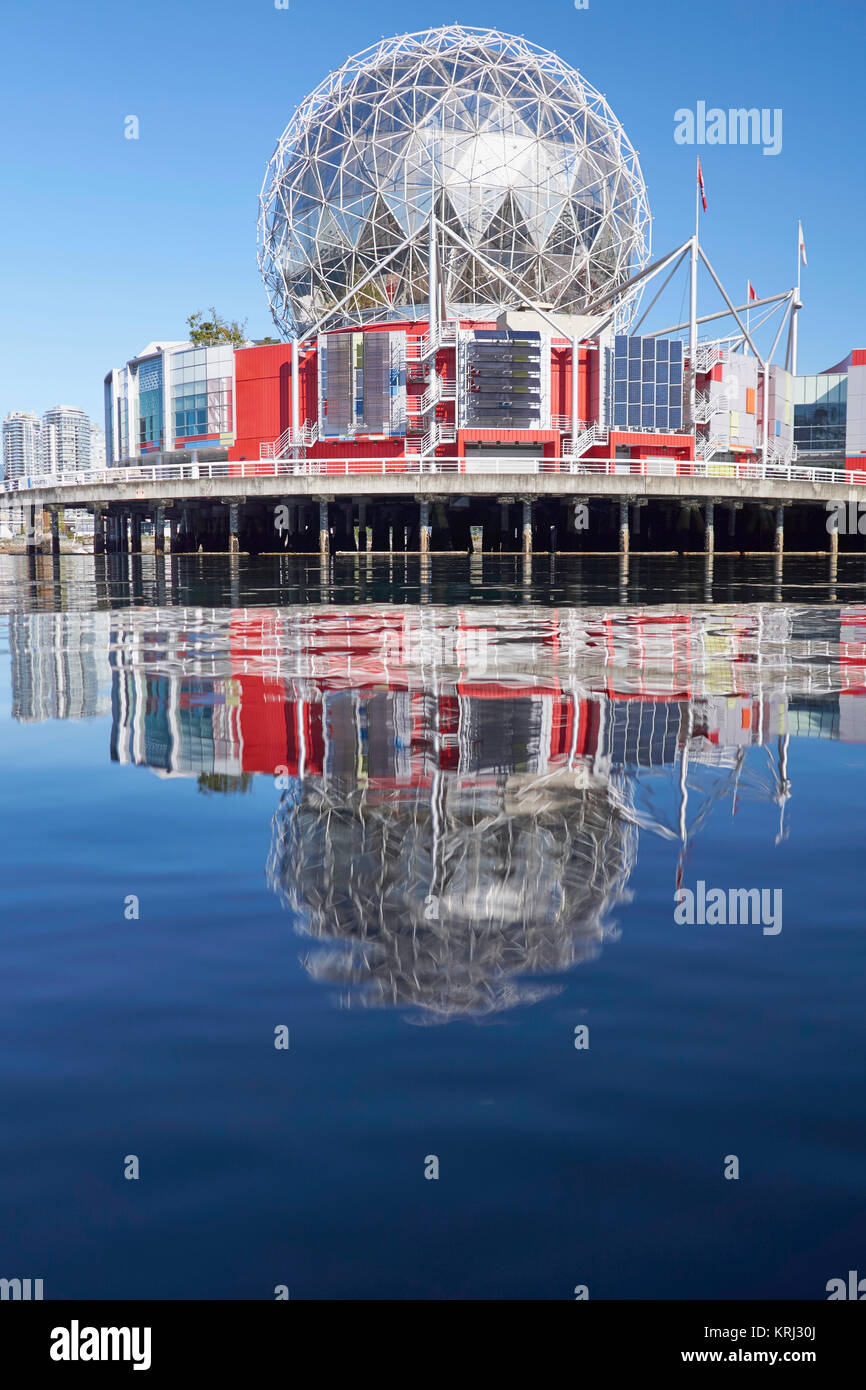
(446, 902)
(529, 165)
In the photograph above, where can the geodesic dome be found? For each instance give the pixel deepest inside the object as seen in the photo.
(524, 886)
(518, 155)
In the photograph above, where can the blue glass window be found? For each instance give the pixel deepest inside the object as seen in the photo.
(150, 403)
(190, 409)
(619, 393)
(634, 417)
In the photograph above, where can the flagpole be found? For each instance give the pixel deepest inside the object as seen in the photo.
(693, 308)
(795, 312)
(748, 316)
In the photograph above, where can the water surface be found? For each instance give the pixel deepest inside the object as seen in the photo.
(430, 821)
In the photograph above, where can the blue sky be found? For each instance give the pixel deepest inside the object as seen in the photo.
(106, 243)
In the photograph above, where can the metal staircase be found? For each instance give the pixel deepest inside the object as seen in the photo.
(706, 448)
(424, 433)
(709, 355)
(290, 439)
(778, 457)
(439, 390)
(439, 432)
(707, 405)
(589, 432)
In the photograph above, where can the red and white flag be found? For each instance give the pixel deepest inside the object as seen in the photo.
(802, 244)
(701, 185)
(752, 292)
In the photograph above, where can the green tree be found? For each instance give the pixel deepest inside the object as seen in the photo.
(225, 782)
(210, 332)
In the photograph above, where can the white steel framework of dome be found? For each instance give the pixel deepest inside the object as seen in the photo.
(518, 164)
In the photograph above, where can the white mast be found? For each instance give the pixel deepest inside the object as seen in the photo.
(693, 310)
(795, 312)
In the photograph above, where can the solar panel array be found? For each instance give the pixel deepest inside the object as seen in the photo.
(647, 383)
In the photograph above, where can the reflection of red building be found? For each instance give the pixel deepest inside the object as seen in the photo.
(394, 696)
(282, 720)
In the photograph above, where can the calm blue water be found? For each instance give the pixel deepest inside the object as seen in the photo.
(432, 826)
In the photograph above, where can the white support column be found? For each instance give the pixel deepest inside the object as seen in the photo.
(296, 394)
(432, 277)
(693, 328)
(168, 399)
(795, 308)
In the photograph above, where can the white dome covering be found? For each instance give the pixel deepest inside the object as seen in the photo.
(526, 162)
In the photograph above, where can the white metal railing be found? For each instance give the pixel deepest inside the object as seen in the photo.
(707, 355)
(563, 423)
(303, 438)
(777, 455)
(420, 345)
(109, 478)
(707, 405)
(279, 446)
(706, 448)
(438, 390)
(440, 432)
(592, 433)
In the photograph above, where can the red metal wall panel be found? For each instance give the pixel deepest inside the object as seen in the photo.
(263, 405)
(665, 445)
(262, 398)
(560, 381)
(509, 436)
